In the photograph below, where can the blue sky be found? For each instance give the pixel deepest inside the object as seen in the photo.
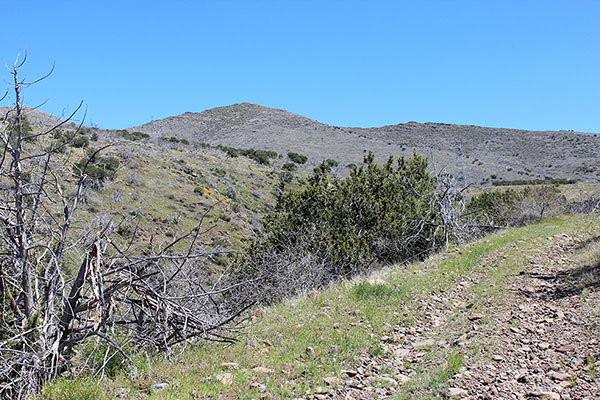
(518, 64)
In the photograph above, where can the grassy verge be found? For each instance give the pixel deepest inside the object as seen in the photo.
(293, 346)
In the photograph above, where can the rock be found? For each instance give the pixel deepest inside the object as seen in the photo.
(566, 349)
(560, 376)
(314, 295)
(259, 386)
(331, 381)
(159, 387)
(225, 379)
(424, 343)
(320, 390)
(401, 353)
(476, 316)
(455, 392)
(547, 395)
(544, 345)
(349, 372)
(376, 281)
(319, 396)
(497, 357)
(402, 378)
(230, 365)
(389, 380)
(309, 350)
(521, 375)
(121, 392)
(262, 370)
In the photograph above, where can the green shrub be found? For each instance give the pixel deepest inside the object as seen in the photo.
(297, 158)
(26, 128)
(511, 207)
(331, 162)
(493, 208)
(99, 169)
(102, 357)
(231, 152)
(134, 136)
(80, 141)
(124, 231)
(545, 181)
(377, 214)
(286, 176)
(260, 156)
(289, 166)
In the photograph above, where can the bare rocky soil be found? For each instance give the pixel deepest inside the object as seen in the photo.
(541, 342)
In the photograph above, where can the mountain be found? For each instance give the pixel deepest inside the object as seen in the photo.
(484, 154)
(35, 117)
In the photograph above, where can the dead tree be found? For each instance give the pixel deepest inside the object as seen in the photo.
(60, 288)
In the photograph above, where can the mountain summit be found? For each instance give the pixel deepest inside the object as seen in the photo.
(477, 152)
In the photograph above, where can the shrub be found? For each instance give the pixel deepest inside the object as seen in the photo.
(286, 176)
(289, 166)
(297, 158)
(134, 136)
(545, 181)
(513, 208)
(124, 231)
(231, 152)
(377, 214)
(99, 169)
(493, 208)
(331, 162)
(260, 156)
(80, 141)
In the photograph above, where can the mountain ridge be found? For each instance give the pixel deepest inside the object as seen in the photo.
(479, 154)
(485, 152)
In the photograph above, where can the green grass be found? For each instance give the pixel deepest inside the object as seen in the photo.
(73, 389)
(309, 338)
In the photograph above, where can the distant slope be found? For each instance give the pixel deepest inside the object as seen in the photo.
(487, 152)
(35, 117)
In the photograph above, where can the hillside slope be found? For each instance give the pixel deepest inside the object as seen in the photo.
(516, 313)
(487, 153)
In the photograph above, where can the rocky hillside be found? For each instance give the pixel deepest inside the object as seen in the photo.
(35, 117)
(487, 153)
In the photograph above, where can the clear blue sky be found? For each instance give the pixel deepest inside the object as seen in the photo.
(519, 64)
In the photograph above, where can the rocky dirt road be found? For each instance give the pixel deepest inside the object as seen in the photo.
(539, 338)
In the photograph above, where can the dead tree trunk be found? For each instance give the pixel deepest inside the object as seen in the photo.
(45, 312)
